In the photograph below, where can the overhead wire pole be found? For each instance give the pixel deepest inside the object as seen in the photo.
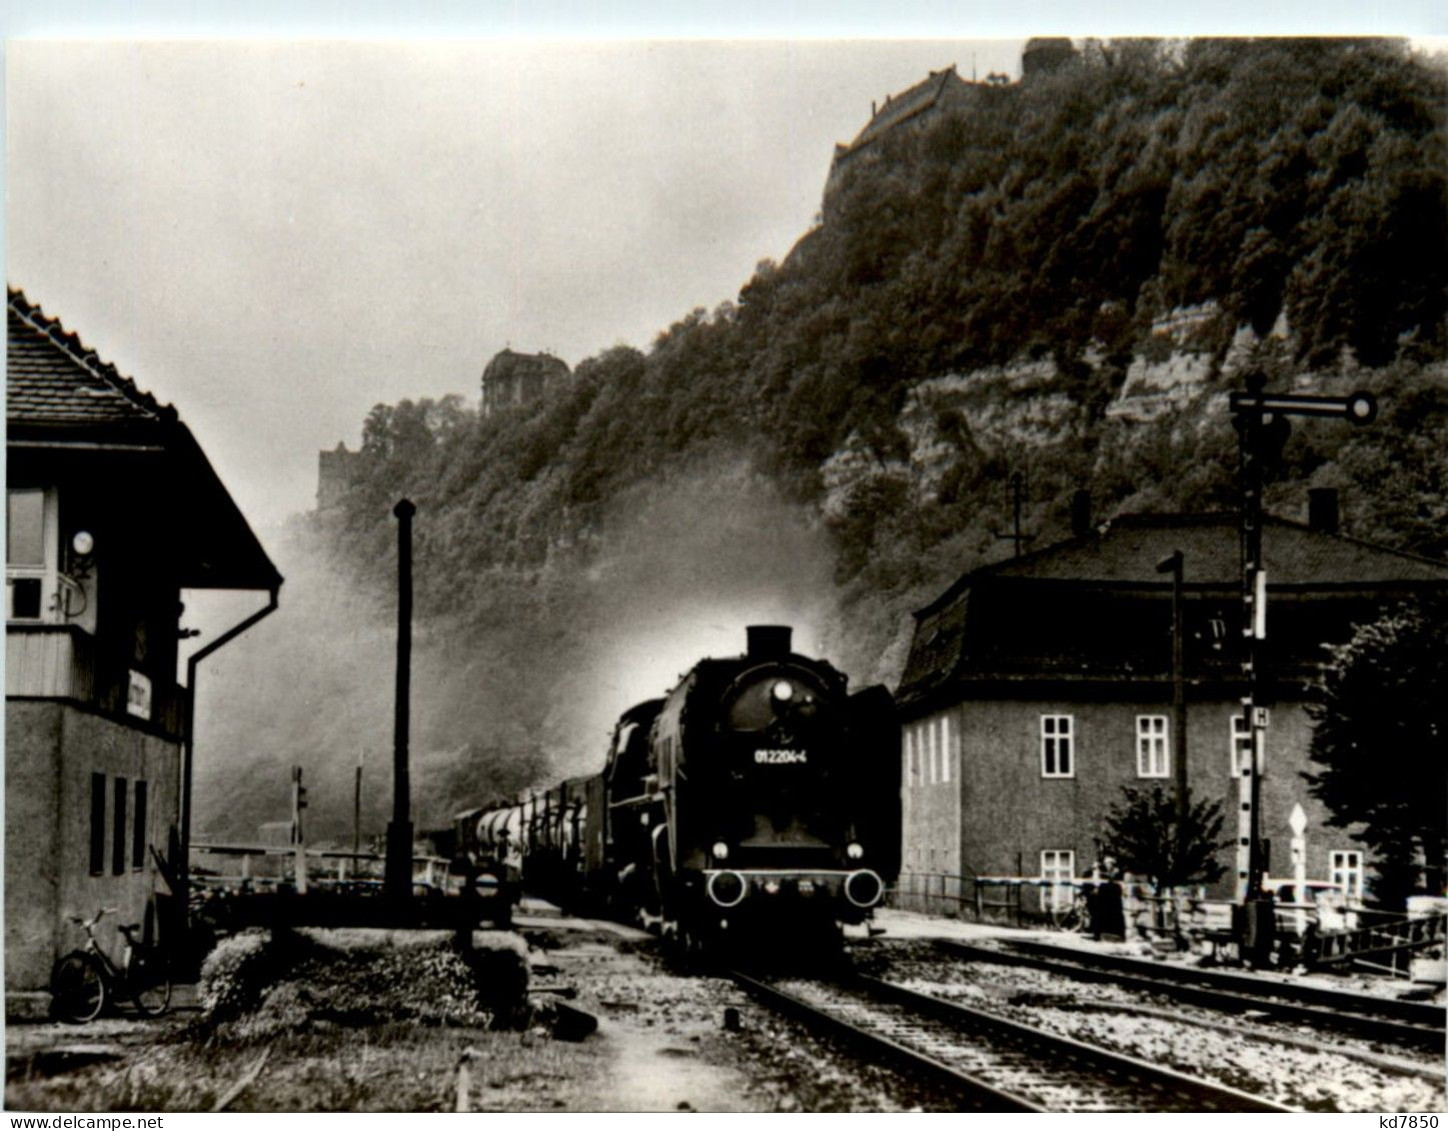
(1017, 486)
(1261, 422)
(1174, 565)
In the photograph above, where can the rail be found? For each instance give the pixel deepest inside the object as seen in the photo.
(993, 1063)
(1380, 1019)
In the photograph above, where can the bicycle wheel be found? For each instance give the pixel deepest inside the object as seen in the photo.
(77, 988)
(1066, 918)
(150, 984)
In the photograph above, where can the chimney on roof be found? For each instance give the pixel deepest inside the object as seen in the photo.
(1322, 510)
(1081, 513)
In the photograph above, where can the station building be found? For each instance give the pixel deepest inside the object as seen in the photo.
(1037, 688)
(112, 509)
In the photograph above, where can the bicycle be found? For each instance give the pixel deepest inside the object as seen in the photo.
(1073, 916)
(85, 979)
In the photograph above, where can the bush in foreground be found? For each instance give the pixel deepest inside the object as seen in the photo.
(259, 983)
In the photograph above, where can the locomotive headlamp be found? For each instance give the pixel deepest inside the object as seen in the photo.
(725, 888)
(854, 850)
(864, 888)
(720, 850)
(782, 691)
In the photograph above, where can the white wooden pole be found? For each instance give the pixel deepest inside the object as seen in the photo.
(1298, 822)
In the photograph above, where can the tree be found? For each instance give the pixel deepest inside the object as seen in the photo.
(1381, 738)
(1143, 833)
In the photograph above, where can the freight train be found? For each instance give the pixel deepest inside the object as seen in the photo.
(759, 795)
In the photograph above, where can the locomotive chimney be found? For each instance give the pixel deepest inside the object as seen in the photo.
(769, 641)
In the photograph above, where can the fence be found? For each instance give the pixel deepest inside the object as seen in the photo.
(1015, 901)
(1028, 901)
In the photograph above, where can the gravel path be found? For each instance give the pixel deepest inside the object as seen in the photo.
(662, 1045)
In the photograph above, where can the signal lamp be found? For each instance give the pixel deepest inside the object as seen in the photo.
(1362, 408)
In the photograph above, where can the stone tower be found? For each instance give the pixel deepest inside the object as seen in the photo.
(513, 379)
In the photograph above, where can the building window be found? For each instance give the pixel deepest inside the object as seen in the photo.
(138, 832)
(98, 824)
(932, 739)
(1057, 755)
(118, 830)
(1345, 869)
(945, 748)
(1151, 759)
(30, 553)
(1058, 869)
(1241, 745)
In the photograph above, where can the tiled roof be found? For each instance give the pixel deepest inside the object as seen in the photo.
(507, 362)
(1126, 551)
(905, 105)
(61, 398)
(51, 378)
(1084, 606)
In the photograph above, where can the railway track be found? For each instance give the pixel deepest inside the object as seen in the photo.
(1405, 1024)
(991, 1063)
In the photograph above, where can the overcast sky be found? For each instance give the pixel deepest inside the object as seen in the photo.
(277, 236)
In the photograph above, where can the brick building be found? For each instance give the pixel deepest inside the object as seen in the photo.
(1038, 687)
(112, 509)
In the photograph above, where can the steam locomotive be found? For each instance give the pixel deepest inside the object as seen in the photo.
(758, 793)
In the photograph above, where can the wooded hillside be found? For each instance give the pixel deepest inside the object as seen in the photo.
(1063, 277)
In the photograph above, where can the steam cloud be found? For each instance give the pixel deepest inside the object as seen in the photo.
(676, 572)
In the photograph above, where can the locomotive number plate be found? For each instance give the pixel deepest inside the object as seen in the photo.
(780, 757)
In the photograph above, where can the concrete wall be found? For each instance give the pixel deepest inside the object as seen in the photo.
(52, 749)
